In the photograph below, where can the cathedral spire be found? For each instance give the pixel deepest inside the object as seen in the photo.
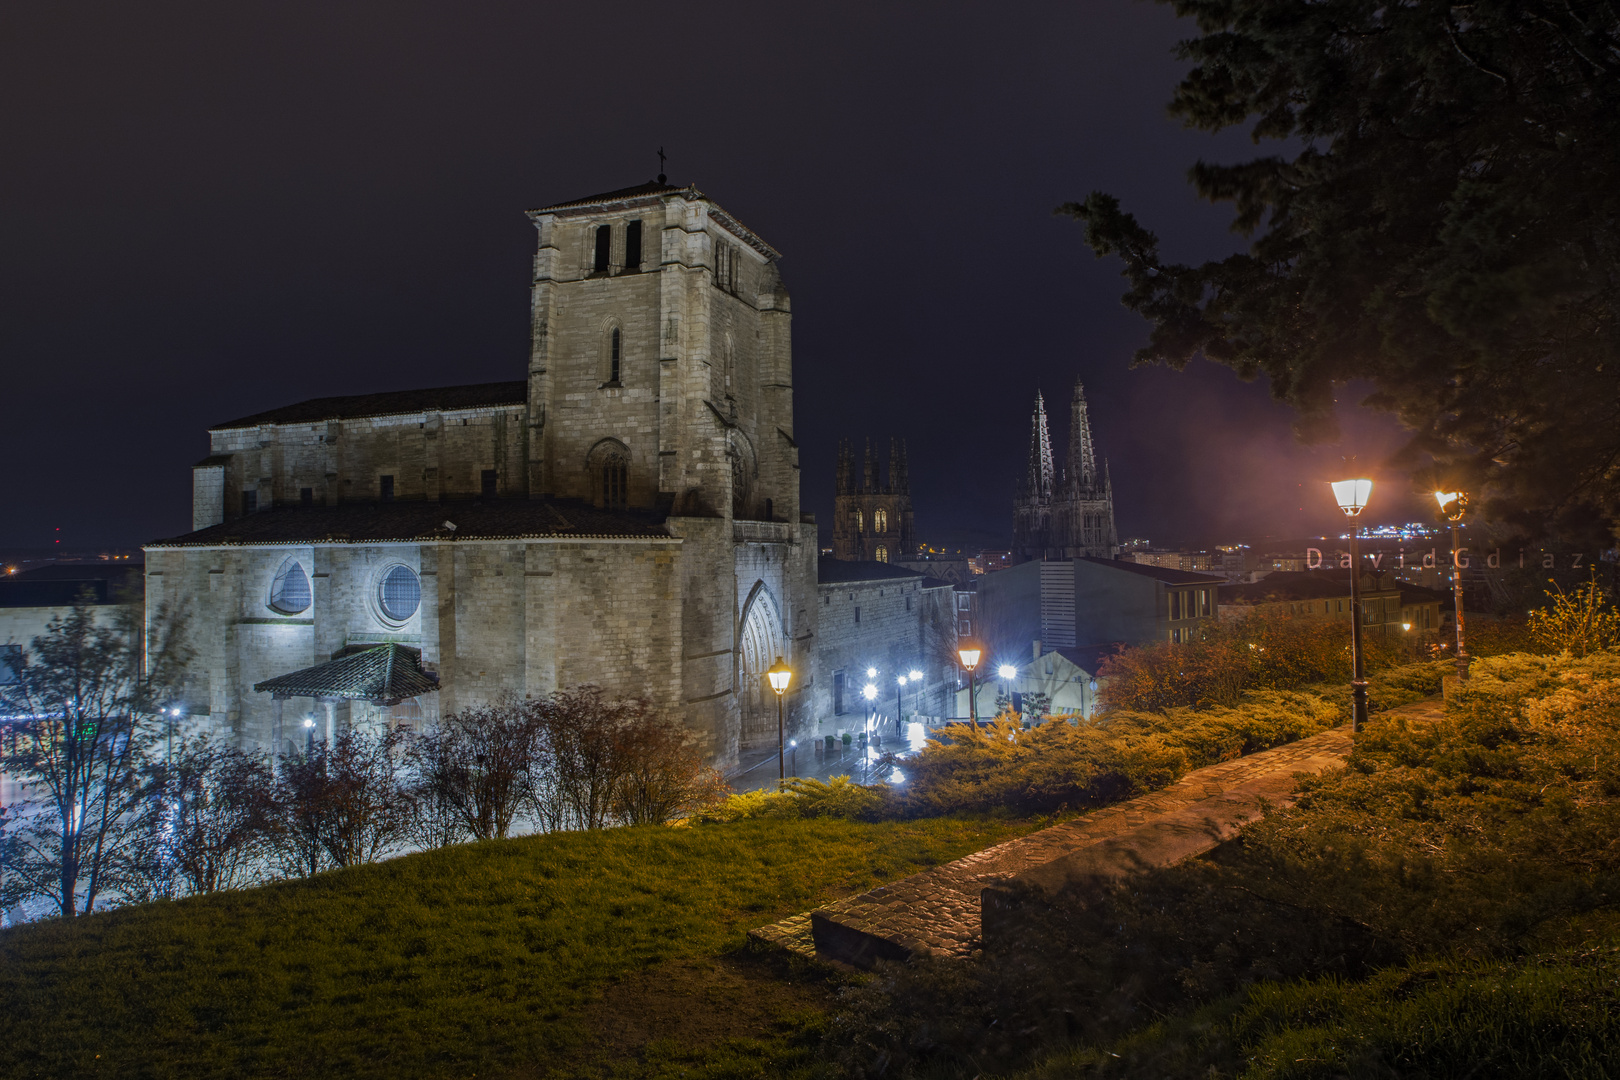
(846, 461)
(899, 480)
(869, 479)
(1082, 471)
(1040, 451)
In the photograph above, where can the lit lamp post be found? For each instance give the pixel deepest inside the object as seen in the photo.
(1352, 497)
(780, 675)
(869, 692)
(1452, 505)
(899, 708)
(969, 651)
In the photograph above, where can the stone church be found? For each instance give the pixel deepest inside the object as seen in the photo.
(627, 514)
(872, 520)
(1067, 514)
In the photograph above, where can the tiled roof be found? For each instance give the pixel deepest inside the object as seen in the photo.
(1162, 573)
(420, 520)
(831, 571)
(651, 187)
(385, 675)
(393, 402)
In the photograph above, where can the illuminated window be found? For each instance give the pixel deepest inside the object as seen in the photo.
(400, 593)
(860, 522)
(289, 593)
(882, 554)
(880, 521)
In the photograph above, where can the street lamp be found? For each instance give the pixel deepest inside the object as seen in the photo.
(899, 706)
(969, 651)
(1008, 673)
(309, 736)
(1453, 504)
(1352, 497)
(780, 675)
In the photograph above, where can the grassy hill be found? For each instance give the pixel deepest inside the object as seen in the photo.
(487, 959)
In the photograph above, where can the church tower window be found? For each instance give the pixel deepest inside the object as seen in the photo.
(613, 357)
(860, 522)
(632, 245)
(604, 243)
(880, 521)
(289, 593)
(882, 553)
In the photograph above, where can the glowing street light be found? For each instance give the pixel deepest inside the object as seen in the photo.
(779, 675)
(969, 651)
(871, 673)
(899, 707)
(1453, 504)
(1352, 496)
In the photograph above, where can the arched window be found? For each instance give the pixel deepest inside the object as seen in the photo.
(880, 520)
(399, 593)
(613, 357)
(608, 465)
(615, 477)
(882, 554)
(860, 522)
(289, 593)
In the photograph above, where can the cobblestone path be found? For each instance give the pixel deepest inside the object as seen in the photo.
(937, 912)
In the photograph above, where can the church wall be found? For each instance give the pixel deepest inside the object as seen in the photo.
(708, 633)
(902, 626)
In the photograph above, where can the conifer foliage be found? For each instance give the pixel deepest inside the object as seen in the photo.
(1443, 221)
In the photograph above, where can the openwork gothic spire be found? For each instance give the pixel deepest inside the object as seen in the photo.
(1041, 469)
(1082, 459)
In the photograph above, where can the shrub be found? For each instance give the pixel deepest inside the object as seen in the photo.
(806, 797)
(1261, 651)
(1058, 764)
(474, 773)
(1579, 622)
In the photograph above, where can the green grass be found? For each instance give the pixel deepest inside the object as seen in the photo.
(476, 960)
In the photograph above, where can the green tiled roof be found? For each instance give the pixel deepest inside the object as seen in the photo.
(384, 675)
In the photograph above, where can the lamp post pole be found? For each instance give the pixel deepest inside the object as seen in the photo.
(1358, 684)
(1352, 496)
(779, 675)
(899, 706)
(1453, 504)
(969, 651)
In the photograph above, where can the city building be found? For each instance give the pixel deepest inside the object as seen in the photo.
(626, 514)
(1124, 603)
(1390, 607)
(1065, 678)
(1067, 514)
(872, 520)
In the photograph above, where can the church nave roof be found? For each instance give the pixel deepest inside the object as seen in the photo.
(389, 403)
(410, 521)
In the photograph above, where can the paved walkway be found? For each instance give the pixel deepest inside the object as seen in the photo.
(938, 912)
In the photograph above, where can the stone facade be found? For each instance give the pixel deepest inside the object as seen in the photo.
(1067, 514)
(872, 615)
(627, 515)
(872, 520)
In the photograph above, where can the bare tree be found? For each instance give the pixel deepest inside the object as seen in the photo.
(661, 774)
(581, 736)
(478, 769)
(83, 710)
(300, 807)
(204, 821)
(342, 804)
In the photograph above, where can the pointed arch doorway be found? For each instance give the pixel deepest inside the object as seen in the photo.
(761, 641)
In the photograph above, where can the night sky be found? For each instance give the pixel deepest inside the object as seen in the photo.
(210, 210)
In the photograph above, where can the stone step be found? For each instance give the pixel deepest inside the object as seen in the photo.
(939, 912)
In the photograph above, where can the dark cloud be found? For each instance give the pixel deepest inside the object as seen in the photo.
(208, 210)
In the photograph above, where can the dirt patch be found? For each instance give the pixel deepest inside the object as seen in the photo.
(701, 1002)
